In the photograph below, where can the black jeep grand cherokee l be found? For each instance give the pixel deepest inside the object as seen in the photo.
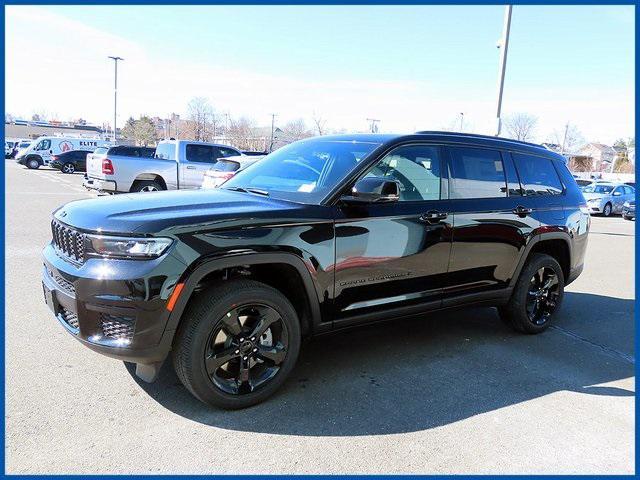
(322, 234)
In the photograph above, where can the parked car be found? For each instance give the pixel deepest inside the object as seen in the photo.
(629, 210)
(322, 234)
(583, 183)
(70, 162)
(19, 146)
(177, 164)
(607, 198)
(41, 150)
(8, 149)
(225, 168)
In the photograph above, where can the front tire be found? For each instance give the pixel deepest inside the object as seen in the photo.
(33, 164)
(606, 211)
(237, 343)
(537, 296)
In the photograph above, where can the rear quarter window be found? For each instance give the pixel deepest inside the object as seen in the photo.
(538, 175)
(477, 173)
(166, 151)
(226, 166)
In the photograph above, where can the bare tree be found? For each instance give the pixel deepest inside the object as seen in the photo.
(295, 130)
(569, 138)
(201, 117)
(320, 123)
(521, 126)
(242, 133)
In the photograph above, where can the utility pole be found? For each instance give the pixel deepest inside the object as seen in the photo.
(115, 95)
(564, 139)
(461, 119)
(373, 127)
(273, 120)
(504, 46)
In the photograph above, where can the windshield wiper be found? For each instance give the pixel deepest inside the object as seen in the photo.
(258, 191)
(248, 190)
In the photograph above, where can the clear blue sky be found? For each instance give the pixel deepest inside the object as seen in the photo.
(561, 61)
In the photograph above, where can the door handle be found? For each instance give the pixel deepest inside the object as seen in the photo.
(522, 211)
(433, 216)
(191, 167)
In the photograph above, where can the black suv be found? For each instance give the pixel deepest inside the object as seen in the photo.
(322, 234)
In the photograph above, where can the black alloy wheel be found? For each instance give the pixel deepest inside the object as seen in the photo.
(237, 343)
(247, 349)
(542, 297)
(536, 297)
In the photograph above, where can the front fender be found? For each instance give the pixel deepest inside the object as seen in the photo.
(194, 275)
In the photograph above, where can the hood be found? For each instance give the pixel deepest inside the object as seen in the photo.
(175, 211)
(590, 196)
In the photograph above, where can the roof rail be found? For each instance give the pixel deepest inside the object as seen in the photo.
(477, 135)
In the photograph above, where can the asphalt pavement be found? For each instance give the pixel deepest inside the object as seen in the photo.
(454, 392)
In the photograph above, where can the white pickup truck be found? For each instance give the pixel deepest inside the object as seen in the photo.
(176, 164)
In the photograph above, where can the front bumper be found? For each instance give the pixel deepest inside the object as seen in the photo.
(55, 164)
(629, 212)
(100, 185)
(114, 307)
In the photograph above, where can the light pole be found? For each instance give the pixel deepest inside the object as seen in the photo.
(273, 119)
(115, 95)
(504, 45)
(373, 124)
(461, 119)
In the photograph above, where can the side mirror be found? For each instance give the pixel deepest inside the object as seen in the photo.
(374, 190)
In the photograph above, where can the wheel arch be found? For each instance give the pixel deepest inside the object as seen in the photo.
(310, 307)
(554, 244)
(152, 177)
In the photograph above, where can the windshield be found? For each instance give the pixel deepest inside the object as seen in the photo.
(303, 171)
(593, 188)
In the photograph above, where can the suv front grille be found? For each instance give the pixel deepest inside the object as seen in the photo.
(68, 241)
(118, 328)
(70, 318)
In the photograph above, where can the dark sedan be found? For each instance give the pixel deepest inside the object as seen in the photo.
(70, 162)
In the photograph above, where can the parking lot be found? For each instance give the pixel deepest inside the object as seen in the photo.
(454, 392)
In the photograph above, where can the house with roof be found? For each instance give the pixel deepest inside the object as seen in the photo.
(598, 155)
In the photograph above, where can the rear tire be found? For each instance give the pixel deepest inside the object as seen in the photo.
(532, 307)
(68, 168)
(146, 186)
(209, 357)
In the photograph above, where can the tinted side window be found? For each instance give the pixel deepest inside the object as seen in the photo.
(416, 168)
(201, 153)
(538, 175)
(477, 173)
(227, 152)
(166, 151)
(147, 152)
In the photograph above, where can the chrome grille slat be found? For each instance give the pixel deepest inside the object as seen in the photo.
(68, 241)
(70, 318)
(118, 328)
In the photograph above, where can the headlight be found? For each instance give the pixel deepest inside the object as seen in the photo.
(123, 247)
(593, 200)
